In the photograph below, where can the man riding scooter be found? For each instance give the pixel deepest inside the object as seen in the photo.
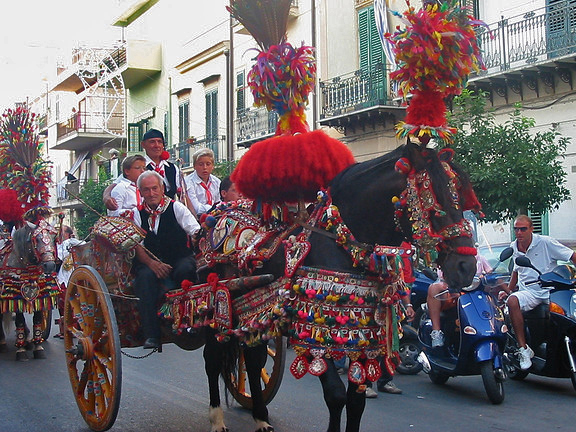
(543, 252)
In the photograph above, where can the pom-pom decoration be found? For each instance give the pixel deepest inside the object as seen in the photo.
(11, 210)
(291, 167)
(164, 155)
(22, 168)
(435, 52)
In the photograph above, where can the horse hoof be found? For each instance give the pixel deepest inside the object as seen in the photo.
(3, 348)
(39, 354)
(21, 356)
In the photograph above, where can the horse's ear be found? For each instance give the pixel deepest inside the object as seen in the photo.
(31, 225)
(446, 155)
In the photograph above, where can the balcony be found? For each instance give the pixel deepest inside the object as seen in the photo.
(255, 124)
(357, 99)
(183, 151)
(67, 194)
(88, 131)
(137, 60)
(524, 52)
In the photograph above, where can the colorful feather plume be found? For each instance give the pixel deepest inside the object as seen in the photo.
(435, 52)
(22, 168)
(296, 163)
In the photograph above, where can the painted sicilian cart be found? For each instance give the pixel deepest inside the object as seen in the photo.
(101, 317)
(27, 241)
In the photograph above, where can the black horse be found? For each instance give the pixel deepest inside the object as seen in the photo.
(364, 194)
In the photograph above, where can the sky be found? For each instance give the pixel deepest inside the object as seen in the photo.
(35, 33)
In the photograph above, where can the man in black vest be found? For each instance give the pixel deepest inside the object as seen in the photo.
(168, 225)
(154, 146)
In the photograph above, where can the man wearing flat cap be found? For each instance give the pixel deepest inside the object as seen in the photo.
(153, 145)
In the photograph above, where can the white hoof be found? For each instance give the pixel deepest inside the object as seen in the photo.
(216, 416)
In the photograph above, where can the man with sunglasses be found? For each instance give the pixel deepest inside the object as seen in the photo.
(544, 252)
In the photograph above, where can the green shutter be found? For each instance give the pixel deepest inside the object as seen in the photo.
(134, 137)
(240, 97)
(183, 121)
(212, 121)
(364, 37)
(540, 222)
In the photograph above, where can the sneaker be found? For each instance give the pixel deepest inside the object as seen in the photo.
(370, 393)
(389, 387)
(437, 338)
(525, 357)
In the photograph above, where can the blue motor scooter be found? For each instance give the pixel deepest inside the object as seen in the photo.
(475, 337)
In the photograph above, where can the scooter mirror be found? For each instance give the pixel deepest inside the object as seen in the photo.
(505, 254)
(524, 261)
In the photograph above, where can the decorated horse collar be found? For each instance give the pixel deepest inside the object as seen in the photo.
(418, 202)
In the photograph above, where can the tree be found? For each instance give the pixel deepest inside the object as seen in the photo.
(513, 169)
(91, 196)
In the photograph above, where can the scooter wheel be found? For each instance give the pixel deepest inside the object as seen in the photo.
(494, 388)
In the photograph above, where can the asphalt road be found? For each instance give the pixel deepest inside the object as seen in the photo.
(168, 392)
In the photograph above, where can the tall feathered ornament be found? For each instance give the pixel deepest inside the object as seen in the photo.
(435, 52)
(294, 164)
(24, 174)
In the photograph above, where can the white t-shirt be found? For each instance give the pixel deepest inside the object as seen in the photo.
(544, 252)
(197, 193)
(126, 197)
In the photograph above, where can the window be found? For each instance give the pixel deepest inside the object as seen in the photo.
(372, 64)
(540, 222)
(135, 133)
(183, 121)
(472, 7)
(212, 116)
(240, 94)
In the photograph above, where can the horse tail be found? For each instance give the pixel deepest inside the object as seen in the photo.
(229, 372)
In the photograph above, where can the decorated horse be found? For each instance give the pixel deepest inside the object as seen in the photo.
(336, 268)
(337, 273)
(27, 271)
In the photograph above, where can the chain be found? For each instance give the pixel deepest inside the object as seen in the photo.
(139, 357)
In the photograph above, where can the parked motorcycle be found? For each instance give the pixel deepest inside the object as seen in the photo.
(475, 337)
(550, 329)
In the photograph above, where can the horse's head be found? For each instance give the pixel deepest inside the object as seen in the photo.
(436, 195)
(35, 245)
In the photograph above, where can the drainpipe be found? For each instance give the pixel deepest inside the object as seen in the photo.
(315, 98)
(170, 110)
(230, 95)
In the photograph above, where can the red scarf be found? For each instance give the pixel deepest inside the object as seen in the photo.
(209, 198)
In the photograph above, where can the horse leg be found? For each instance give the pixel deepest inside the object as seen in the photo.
(21, 335)
(37, 332)
(355, 404)
(255, 360)
(213, 355)
(334, 395)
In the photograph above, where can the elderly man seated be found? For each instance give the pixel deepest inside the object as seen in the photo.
(166, 254)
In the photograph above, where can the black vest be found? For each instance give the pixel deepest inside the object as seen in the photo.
(170, 174)
(171, 242)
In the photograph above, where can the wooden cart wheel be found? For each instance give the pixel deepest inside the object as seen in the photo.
(46, 323)
(92, 348)
(270, 378)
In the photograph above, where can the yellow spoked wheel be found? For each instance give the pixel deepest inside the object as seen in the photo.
(46, 324)
(270, 377)
(92, 348)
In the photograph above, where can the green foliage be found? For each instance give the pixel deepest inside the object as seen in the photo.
(513, 169)
(92, 196)
(224, 168)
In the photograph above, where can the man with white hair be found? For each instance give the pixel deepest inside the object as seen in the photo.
(166, 257)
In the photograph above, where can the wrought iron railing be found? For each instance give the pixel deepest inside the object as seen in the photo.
(537, 36)
(255, 123)
(183, 151)
(361, 89)
(92, 122)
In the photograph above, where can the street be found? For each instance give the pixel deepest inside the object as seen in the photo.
(168, 392)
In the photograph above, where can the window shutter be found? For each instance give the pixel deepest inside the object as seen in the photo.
(212, 121)
(183, 121)
(240, 94)
(364, 37)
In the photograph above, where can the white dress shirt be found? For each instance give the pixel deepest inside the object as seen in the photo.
(197, 193)
(183, 217)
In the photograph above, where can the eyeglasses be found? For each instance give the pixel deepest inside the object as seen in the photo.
(523, 229)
